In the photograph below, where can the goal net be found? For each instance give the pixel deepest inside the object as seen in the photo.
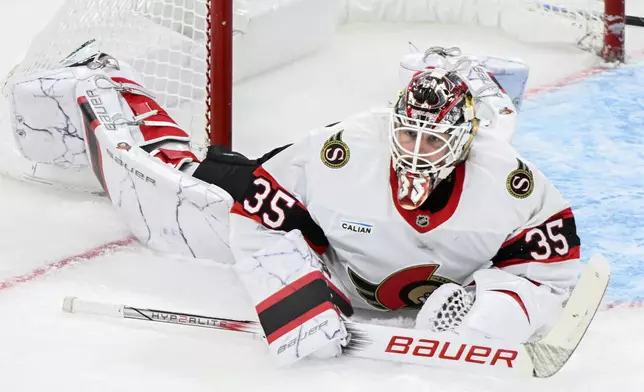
(579, 22)
(165, 41)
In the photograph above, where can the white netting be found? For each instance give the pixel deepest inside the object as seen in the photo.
(575, 21)
(162, 39)
(586, 17)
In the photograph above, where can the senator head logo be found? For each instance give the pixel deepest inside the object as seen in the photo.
(406, 288)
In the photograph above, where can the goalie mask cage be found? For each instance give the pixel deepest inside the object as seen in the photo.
(183, 48)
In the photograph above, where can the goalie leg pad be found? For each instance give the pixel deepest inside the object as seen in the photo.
(297, 302)
(45, 120)
(47, 125)
(166, 209)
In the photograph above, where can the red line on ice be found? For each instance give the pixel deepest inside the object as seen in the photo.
(581, 75)
(565, 81)
(60, 264)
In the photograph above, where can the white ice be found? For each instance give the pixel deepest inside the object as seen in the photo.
(43, 348)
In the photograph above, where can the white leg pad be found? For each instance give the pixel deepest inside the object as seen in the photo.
(167, 210)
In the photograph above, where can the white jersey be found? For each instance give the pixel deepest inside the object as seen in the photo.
(337, 187)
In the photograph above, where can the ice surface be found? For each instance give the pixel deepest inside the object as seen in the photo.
(587, 137)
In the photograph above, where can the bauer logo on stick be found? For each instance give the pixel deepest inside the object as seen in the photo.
(520, 182)
(335, 153)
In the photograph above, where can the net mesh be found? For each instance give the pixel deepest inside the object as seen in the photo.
(577, 22)
(587, 16)
(164, 40)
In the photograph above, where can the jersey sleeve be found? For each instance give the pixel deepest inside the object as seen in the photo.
(545, 249)
(274, 204)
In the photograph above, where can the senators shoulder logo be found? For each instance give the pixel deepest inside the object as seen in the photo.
(407, 288)
(520, 182)
(335, 153)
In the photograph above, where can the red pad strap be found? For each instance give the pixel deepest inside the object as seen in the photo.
(175, 158)
(142, 104)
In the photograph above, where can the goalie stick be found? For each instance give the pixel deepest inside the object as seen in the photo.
(540, 359)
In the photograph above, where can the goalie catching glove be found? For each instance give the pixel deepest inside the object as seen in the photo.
(500, 305)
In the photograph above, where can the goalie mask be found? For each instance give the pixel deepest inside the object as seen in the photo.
(432, 128)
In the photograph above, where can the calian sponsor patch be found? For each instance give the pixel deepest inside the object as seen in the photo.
(357, 227)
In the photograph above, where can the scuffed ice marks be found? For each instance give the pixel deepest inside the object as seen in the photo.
(37, 104)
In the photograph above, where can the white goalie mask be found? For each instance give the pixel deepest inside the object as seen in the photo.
(432, 127)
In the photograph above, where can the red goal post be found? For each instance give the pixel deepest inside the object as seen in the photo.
(219, 74)
(614, 30)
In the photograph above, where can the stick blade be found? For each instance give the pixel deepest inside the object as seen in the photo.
(552, 352)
